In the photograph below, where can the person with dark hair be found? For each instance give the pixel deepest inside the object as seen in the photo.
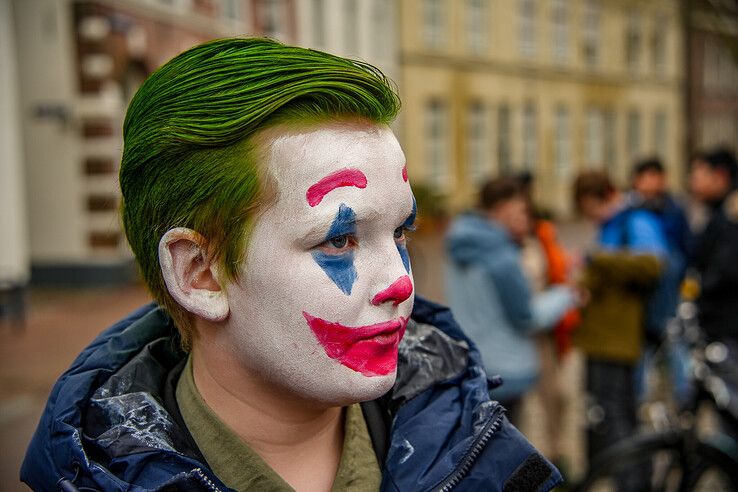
(490, 295)
(714, 181)
(267, 202)
(620, 277)
(650, 192)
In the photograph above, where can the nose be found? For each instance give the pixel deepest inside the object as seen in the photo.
(399, 291)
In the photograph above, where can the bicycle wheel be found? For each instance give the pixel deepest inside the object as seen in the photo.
(663, 462)
(714, 469)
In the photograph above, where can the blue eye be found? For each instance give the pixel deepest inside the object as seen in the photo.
(339, 242)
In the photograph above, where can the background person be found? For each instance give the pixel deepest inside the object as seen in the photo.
(620, 277)
(650, 192)
(713, 181)
(546, 263)
(490, 295)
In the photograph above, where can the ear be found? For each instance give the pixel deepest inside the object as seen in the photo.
(190, 276)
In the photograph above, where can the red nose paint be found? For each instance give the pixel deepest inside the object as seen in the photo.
(400, 290)
(404, 174)
(338, 179)
(370, 350)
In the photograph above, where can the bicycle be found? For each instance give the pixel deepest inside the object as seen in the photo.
(677, 457)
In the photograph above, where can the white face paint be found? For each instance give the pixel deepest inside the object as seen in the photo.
(326, 288)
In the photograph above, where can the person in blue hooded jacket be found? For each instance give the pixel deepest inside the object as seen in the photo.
(489, 293)
(650, 192)
(267, 203)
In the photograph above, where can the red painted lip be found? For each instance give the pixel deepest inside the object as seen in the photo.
(370, 350)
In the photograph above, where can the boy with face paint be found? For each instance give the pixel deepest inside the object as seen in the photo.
(267, 203)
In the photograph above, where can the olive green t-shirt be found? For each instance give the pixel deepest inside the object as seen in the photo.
(241, 468)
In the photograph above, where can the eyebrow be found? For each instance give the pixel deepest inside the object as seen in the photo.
(344, 223)
(338, 179)
(334, 223)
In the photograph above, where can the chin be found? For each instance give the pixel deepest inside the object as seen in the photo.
(346, 387)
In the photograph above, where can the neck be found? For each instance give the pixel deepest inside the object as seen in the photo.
(292, 435)
(616, 203)
(719, 198)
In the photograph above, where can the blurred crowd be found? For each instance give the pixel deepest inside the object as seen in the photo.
(526, 301)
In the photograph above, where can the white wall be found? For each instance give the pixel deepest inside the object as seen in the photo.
(53, 170)
(14, 259)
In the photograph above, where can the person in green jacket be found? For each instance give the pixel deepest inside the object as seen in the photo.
(619, 278)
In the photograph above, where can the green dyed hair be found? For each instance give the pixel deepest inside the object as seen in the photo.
(189, 158)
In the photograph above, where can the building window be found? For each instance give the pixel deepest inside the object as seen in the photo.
(503, 139)
(720, 71)
(710, 65)
(271, 18)
(477, 145)
(562, 142)
(594, 140)
(187, 5)
(633, 41)
(229, 9)
(591, 33)
(717, 129)
(611, 142)
(661, 139)
(727, 70)
(436, 134)
(381, 27)
(350, 27)
(658, 44)
(530, 137)
(319, 23)
(434, 17)
(560, 29)
(527, 33)
(476, 25)
(634, 135)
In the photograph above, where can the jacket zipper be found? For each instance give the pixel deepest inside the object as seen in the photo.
(471, 456)
(205, 480)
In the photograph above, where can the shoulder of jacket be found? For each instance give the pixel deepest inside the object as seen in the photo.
(642, 215)
(730, 207)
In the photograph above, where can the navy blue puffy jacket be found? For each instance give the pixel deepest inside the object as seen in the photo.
(110, 423)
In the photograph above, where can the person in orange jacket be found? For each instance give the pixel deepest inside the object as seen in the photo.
(553, 346)
(558, 266)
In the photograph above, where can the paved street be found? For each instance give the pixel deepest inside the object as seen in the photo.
(60, 323)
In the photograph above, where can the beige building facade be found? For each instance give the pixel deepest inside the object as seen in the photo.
(491, 87)
(78, 63)
(363, 29)
(713, 75)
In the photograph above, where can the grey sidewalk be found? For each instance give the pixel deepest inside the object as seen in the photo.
(59, 324)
